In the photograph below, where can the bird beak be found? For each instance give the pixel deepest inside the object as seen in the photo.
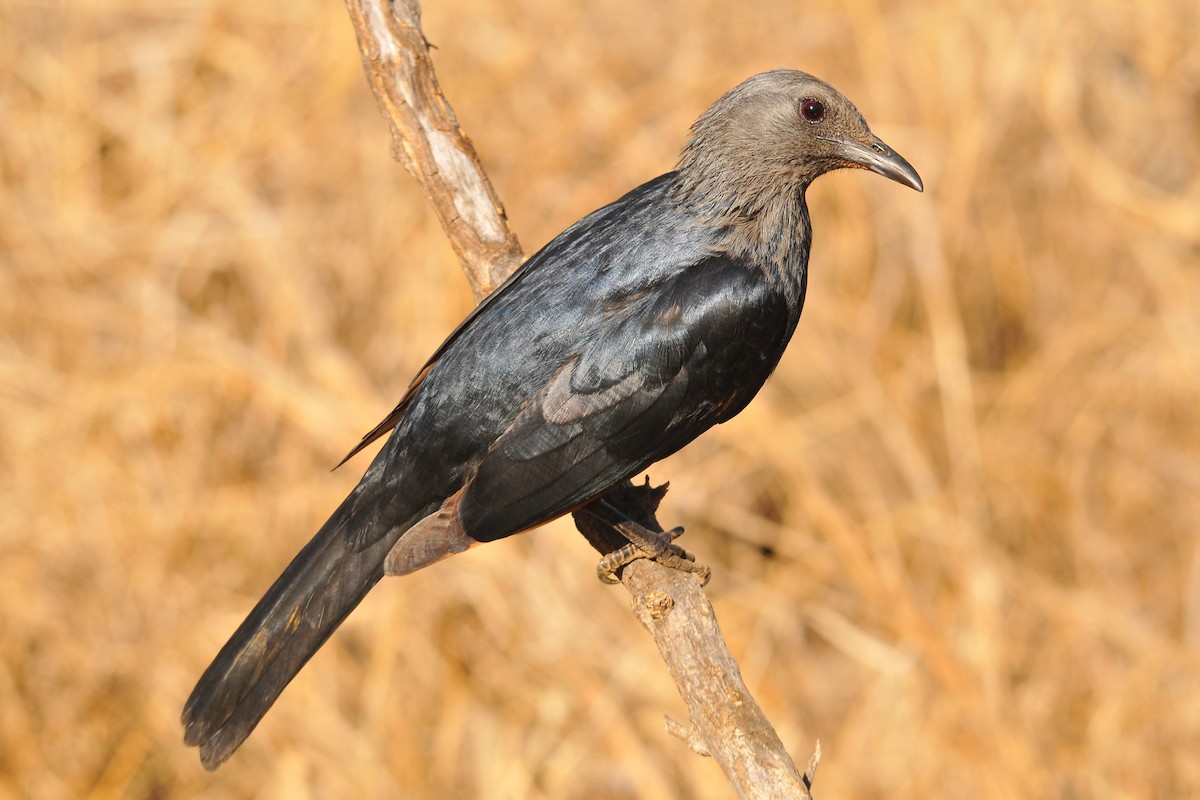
(878, 157)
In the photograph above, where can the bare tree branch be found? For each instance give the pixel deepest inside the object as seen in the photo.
(726, 721)
(427, 140)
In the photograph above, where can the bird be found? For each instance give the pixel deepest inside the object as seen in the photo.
(624, 338)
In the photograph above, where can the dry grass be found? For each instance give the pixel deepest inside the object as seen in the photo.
(955, 538)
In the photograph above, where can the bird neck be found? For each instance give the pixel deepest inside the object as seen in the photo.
(763, 224)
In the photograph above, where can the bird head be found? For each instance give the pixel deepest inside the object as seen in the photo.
(781, 130)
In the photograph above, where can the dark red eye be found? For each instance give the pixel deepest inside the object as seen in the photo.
(812, 109)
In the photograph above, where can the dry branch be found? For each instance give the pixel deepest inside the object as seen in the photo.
(427, 140)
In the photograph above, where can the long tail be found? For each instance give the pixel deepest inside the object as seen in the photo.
(322, 585)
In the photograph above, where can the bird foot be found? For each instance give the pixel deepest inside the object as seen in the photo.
(645, 543)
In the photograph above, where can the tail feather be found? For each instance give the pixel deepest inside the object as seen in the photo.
(322, 585)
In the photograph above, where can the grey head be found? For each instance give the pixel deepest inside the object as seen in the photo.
(778, 131)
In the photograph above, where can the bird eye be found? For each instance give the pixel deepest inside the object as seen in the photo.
(812, 109)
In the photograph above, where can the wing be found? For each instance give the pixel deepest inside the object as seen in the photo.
(672, 363)
(577, 232)
(391, 420)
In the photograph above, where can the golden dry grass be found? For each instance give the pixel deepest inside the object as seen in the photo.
(955, 538)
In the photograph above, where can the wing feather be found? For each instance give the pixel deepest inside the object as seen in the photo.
(664, 373)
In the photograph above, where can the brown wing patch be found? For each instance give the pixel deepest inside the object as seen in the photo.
(433, 538)
(393, 419)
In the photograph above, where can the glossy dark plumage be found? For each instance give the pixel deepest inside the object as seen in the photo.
(631, 333)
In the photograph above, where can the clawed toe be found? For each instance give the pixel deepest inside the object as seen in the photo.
(645, 543)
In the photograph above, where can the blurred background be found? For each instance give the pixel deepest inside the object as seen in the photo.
(955, 538)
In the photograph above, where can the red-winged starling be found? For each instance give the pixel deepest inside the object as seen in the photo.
(626, 337)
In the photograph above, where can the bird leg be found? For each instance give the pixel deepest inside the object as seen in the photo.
(622, 526)
(645, 543)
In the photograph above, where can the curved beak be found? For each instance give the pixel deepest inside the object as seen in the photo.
(878, 157)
